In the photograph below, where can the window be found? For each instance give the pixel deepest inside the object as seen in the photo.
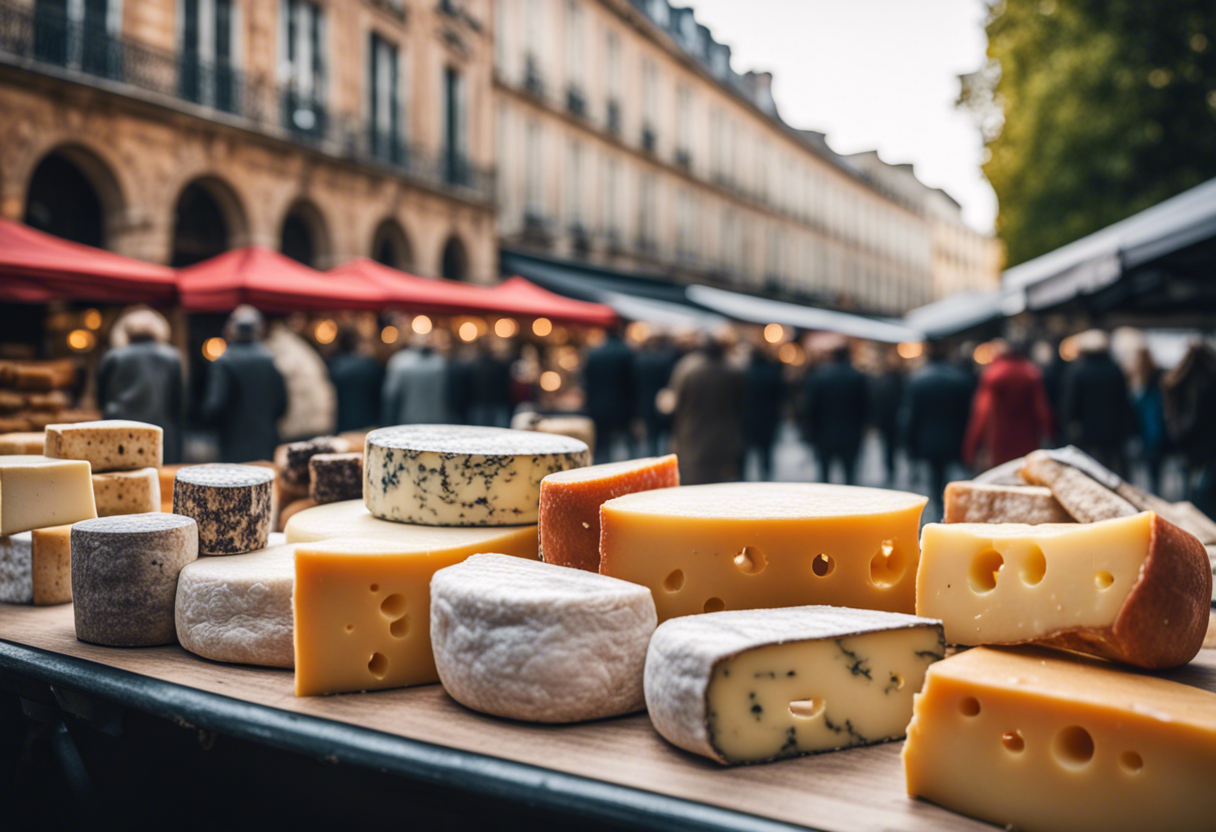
(205, 66)
(574, 183)
(650, 101)
(533, 47)
(534, 172)
(574, 45)
(384, 105)
(302, 66)
(612, 81)
(455, 128)
(646, 213)
(80, 34)
(684, 124)
(612, 201)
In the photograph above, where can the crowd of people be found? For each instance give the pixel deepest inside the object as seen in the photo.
(717, 401)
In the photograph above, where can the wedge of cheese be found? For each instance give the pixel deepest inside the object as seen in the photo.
(108, 445)
(1134, 589)
(570, 505)
(704, 548)
(749, 686)
(362, 607)
(36, 492)
(1041, 741)
(976, 502)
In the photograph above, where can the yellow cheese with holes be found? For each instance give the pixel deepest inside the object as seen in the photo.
(36, 492)
(362, 606)
(705, 548)
(1042, 741)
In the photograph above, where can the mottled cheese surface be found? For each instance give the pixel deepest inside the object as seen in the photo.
(232, 504)
(108, 445)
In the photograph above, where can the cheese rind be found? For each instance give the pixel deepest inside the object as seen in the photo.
(17, 568)
(108, 445)
(52, 566)
(24, 444)
(1084, 498)
(292, 459)
(1043, 741)
(127, 492)
(973, 502)
(455, 475)
(1132, 589)
(570, 505)
(703, 548)
(335, 478)
(747, 686)
(231, 503)
(37, 491)
(537, 642)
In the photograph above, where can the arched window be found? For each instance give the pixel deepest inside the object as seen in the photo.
(303, 236)
(455, 260)
(72, 195)
(207, 220)
(391, 246)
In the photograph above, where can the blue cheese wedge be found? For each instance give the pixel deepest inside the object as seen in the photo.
(456, 475)
(751, 686)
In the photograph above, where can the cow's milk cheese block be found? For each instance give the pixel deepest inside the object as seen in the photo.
(362, 607)
(127, 492)
(531, 641)
(335, 478)
(1041, 741)
(454, 475)
(352, 519)
(749, 686)
(704, 548)
(22, 443)
(1134, 589)
(975, 502)
(292, 459)
(570, 505)
(36, 567)
(124, 576)
(36, 492)
(108, 445)
(231, 503)
(238, 608)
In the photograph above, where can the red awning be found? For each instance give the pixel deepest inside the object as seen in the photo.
(36, 267)
(272, 282)
(517, 296)
(421, 294)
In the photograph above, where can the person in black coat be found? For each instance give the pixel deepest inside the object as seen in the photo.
(1096, 407)
(357, 380)
(491, 387)
(834, 414)
(652, 366)
(246, 395)
(886, 397)
(763, 398)
(936, 410)
(608, 383)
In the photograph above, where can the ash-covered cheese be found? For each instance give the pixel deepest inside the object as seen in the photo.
(292, 459)
(238, 609)
(108, 445)
(16, 568)
(749, 686)
(124, 577)
(333, 478)
(537, 642)
(231, 503)
(126, 492)
(452, 475)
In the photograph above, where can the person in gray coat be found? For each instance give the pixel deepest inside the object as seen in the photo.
(416, 387)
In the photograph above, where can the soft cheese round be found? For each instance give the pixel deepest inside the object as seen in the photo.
(458, 475)
(351, 519)
(238, 609)
(232, 504)
(532, 641)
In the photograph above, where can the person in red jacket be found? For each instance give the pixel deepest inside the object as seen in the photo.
(1010, 415)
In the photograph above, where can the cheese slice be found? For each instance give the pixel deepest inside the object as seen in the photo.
(457, 475)
(231, 503)
(352, 519)
(1040, 741)
(570, 505)
(1133, 589)
(703, 548)
(749, 686)
(36, 492)
(975, 502)
(531, 641)
(127, 492)
(22, 443)
(362, 607)
(108, 445)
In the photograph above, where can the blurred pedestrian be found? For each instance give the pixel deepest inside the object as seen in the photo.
(416, 386)
(608, 384)
(491, 385)
(461, 393)
(246, 394)
(356, 378)
(1010, 415)
(763, 401)
(1189, 392)
(1150, 416)
(886, 397)
(652, 366)
(935, 413)
(312, 404)
(1095, 408)
(708, 417)
(140, 378)
(835, 412)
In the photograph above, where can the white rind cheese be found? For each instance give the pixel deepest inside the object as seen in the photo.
(747, 686)
(127, 492)
(231, 503)
(453, 475)
(537, 642)
(17, 568)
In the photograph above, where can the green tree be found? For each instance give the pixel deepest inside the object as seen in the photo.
(1092, 110)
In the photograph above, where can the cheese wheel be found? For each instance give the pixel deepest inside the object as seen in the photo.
(127, 492)
(536, 642)
(457, 475)
(124, 576)
(570, 505)
(333, 478)
(231, 503)
(22, 443)
(108, 445)
(37, 492)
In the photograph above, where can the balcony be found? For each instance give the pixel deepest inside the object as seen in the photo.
(534, 83)
(580, 240)
(612, 120)
(575, 102)
(684, 158)
(650, 139)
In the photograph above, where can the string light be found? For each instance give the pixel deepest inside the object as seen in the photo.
(422, 325)
(81, 340)
(774, 333)
(92, 319)
(505, 327)
(213, 348)
(550, 381)
(326, 332)
(468, 331)
(542, 327)
(389, 334)
(910, 349)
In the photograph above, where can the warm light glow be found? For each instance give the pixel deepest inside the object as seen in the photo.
(505, 327)
(91, 319)
(542, 327)
(326, 332)
(550, 381)
(774, 333)
(792, 353)
(1068, 349)
(910, 349)
(568, 360)
(468, 331)
(422, 325)
(984, 353)
(389, 334)
(81, 340)
(637, 332)
(213, 348)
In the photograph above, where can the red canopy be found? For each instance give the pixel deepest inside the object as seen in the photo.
(517, 296)
(36, 267)
(423, 294)
(272, 282)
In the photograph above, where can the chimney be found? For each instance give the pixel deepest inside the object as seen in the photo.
(760, 86)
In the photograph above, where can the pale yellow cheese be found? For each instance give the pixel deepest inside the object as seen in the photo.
(36, 492)
(52, 565)
(1044, 741)
(109, 444)
(127, 492)
(704, 548)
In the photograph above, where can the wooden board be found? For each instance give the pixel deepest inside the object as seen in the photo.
(859, 789)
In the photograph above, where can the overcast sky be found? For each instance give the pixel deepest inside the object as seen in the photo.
(871, 74)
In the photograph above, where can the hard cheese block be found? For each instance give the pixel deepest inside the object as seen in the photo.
(704, 548)
(452, 475)
(362, 607)
(352, 519)
(231, 503)
(1041, 741)
(531, 641)
(36, 567)
(127, 492)
(1134, 589)
(108, 445)
(124, 577)
(974, 502)
(749, 686)
(570, 505)
(238, 608)
(36, 492)
(22, 443)
(335, 478)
